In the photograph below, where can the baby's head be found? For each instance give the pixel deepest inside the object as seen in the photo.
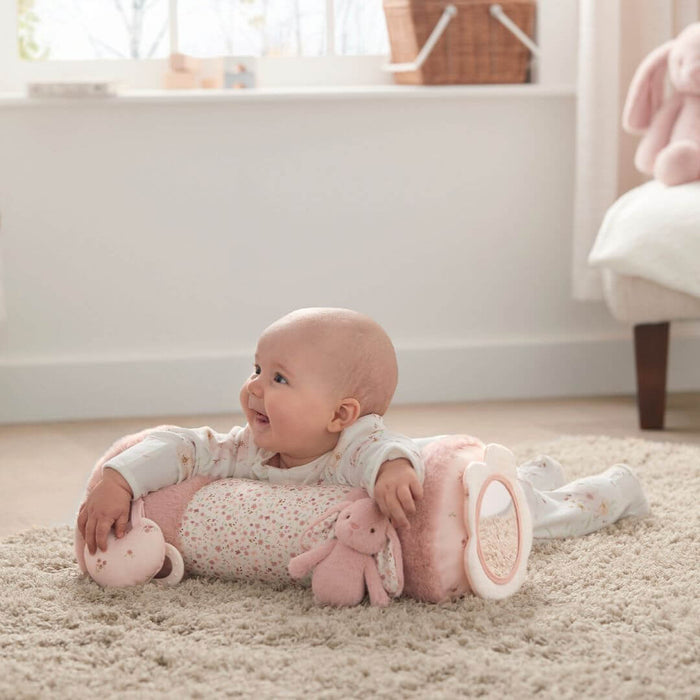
(352, 353)
(316, 371)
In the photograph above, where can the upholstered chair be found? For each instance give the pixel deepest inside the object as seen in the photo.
(648, 249)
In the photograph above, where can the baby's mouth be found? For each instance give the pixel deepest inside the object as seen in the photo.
(260, 418)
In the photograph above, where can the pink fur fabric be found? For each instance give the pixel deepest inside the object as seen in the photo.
(670, 148)
(432, 549)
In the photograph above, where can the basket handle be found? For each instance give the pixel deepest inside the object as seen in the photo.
(446, 17)
(498, 13)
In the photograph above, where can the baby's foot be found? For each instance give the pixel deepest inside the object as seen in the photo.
(631, 489)
(544, 473)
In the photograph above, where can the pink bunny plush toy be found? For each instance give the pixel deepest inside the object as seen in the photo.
(345, 565)
(670, 149)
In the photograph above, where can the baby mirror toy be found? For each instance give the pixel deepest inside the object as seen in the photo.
(498, 524)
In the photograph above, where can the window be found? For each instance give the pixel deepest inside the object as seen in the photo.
(289, 42)
(136, 30)
(81, 30)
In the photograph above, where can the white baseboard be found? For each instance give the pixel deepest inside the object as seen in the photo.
(35, 391)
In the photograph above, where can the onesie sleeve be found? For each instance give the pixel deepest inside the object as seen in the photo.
(166, 457)
(363, 457)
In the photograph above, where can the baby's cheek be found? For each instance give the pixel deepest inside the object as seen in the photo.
(243, 396)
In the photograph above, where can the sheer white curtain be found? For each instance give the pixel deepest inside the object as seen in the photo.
(614, 36)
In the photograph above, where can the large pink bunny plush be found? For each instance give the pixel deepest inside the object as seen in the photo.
(344, 566)
(670, 148)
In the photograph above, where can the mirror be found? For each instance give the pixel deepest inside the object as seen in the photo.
(498, 530)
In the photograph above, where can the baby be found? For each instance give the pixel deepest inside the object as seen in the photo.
(322, 380)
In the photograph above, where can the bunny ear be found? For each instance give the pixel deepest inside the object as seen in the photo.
(390, 563)
(646, 91)
(348, 499)
(304, 541)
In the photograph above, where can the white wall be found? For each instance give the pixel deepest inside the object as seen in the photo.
(146, 242)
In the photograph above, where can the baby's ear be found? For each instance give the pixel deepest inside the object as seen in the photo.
(345, 414)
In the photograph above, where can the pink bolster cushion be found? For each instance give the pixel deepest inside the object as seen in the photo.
(244, 529)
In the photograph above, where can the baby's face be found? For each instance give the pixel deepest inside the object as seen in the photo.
(291, 397)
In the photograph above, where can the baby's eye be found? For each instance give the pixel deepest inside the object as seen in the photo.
(257, 369)
(371, 529)
(279, 378)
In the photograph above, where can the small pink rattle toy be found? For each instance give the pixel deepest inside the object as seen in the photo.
(137, 557)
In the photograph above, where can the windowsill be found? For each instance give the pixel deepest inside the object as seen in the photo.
(526, 90)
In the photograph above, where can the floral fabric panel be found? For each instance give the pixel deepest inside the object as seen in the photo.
(240, 529)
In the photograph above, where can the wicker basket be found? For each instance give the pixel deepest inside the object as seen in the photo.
(475, 47)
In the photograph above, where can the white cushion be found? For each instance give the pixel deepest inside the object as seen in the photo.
(653, 232)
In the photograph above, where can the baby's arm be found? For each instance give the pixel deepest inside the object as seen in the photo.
(162, 458)
(106, 505)
(396, 490)
(389, 466)
(167, 457)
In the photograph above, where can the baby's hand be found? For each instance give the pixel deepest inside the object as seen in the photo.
(106, 505)
(396, 488)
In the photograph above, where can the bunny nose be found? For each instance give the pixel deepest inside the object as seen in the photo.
(354, 526)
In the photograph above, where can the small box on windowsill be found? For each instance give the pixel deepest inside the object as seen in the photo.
(189, 73)
(239, 73)
(182, 63)
(175, 80)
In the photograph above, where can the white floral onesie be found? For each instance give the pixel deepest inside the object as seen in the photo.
(167, 457)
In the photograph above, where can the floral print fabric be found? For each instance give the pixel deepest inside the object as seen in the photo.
(249, 530)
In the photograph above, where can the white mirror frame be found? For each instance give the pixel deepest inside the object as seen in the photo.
(498, 465)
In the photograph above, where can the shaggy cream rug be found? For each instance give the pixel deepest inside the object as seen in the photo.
(613, 614)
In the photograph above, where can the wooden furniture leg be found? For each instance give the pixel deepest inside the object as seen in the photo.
(651, 356)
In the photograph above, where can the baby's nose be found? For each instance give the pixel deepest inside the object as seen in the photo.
(354, 526)
(255, 387)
